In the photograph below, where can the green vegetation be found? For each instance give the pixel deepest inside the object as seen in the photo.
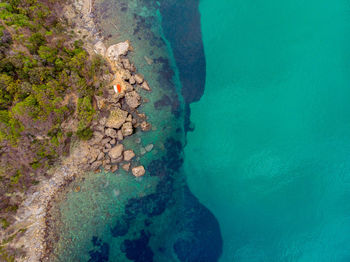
(46, 79)
(4, 223)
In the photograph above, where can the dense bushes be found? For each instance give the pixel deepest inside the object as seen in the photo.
(46, 79)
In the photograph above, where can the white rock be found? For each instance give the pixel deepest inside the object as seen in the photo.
(114, 51)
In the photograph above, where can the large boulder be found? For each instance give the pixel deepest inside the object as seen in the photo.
(138, 78)
(145, 126)
(132, 80)
(111, 133)
(127, 129)
(116, 151)
(116, 118)
(132, 99)
(128, 155)
(120, 135)
(95, 165)
(145, 86)
(114, 51)
(96, 138)
(138, 171)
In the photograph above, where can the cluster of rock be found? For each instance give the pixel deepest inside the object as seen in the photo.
(118, 115)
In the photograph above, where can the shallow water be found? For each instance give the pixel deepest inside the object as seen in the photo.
(269, 155)
(117, 217)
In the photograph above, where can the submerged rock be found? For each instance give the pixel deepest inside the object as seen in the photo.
(126, 167)
(138, 171)
(149, 147)
(145, 126)
(143, 151)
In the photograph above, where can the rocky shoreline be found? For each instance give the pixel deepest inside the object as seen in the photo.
(118, 114)
(117, 117)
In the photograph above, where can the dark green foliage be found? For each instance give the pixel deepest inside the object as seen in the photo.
(5, 224)
(45, 80)
(36, 40)
(84, 134)
(85, 115)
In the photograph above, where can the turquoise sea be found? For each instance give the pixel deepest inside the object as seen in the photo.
(250, 106)
(270, 152)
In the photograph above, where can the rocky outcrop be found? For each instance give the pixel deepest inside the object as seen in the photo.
(128, 155)
(145, 126)
(116, 151)
(114, 51)
(96, 138)
(116, 118)
(138, 171)
(111, 133)
(127, 129)
(145, 86)
(120, 114)
(132, 99)
(138, 78)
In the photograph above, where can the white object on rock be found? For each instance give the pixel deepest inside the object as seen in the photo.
(115, 89)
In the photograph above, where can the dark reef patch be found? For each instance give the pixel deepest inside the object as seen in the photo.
(181, 26)
(101, 251)
(138, 249)
(120, 228)
(203, 242)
